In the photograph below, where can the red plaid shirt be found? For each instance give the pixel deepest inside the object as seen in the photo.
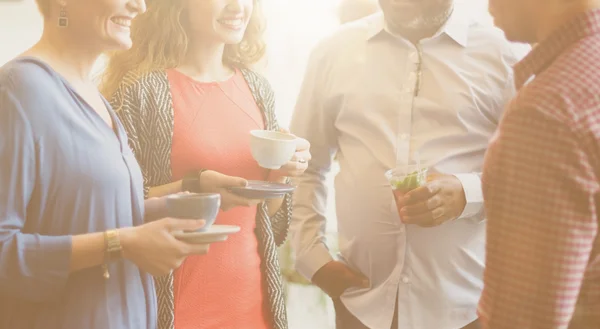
(541, 185)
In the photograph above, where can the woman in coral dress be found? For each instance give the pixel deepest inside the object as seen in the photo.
(188, 101)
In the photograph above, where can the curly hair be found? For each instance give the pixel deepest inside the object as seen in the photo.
(160, 42)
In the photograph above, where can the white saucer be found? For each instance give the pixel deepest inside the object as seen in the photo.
(215, 233)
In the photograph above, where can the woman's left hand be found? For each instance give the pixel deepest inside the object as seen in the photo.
(299, 162)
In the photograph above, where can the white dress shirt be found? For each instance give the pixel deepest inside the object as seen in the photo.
(375, 99)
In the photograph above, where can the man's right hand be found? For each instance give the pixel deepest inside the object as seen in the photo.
(335, 277)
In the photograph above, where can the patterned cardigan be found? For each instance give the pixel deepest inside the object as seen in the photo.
(144, 104)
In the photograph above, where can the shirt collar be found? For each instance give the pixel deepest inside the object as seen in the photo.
(457, 27)
(544, 53)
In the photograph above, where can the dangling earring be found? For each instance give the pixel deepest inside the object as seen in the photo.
(63, 21)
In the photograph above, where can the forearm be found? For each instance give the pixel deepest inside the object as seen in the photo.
(164, 190)
(87, 250)
(274, 205)
(308, 225)
(36, 267)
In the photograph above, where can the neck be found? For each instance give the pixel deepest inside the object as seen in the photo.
(205, 63)
(558, 13)
(423, 26)
(74, 60)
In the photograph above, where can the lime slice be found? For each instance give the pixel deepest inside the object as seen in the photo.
(410, 182)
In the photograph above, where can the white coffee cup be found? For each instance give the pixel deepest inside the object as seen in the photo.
(272, 149)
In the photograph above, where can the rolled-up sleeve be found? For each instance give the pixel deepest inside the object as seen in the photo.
(313, 121)
(33, 267)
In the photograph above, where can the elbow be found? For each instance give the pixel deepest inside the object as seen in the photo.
(34, 268)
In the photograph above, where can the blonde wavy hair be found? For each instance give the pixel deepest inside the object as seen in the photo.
(160, 42)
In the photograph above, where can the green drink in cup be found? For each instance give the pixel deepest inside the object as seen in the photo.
(404, 179)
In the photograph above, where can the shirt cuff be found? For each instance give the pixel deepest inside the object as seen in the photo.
(308, 263)
(474, 196)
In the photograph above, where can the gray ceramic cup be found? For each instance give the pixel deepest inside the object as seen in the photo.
(195, 206)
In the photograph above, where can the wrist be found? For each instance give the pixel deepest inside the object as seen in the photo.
(191, 182)
(200, 187)
(128, 237)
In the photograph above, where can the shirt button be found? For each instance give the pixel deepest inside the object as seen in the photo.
(401, 229)
(405, 279)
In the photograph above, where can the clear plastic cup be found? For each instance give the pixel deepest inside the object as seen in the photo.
(404, 179)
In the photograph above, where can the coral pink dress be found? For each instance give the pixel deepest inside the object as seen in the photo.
(223, 289)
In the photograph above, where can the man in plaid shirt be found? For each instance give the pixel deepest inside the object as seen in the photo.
(541, 179)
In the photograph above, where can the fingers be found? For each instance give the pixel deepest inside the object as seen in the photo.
(198, 249)
(428, 219)
(297, 165)
(301, 156)
(293, 168)
(434, 222)
(424, 212)
(422, 193)
(422, 207)
(174, 224)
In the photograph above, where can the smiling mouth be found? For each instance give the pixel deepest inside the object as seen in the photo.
(235, 23)
(124, 22)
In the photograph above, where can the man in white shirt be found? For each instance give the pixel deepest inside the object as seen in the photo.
(422, 78)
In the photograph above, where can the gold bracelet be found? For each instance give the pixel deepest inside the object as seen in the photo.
(112, 250)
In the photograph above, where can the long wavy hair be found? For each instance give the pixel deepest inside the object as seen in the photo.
(160, 41)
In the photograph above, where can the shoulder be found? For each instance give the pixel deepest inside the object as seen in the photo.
(348, 36)
(137, 88)
(144, 81)
(258, 83)
(255, 78)
(23, 75)
(568, 89)
(32, 84)
(489, 40)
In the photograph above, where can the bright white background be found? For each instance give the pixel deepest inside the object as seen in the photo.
(294, 26)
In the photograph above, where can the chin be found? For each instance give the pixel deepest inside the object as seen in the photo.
(233, 39)
(119, 44)
(513, 36)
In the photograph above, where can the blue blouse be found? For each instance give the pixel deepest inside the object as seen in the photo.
(64, 172)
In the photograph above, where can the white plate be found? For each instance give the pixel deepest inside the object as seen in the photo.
(215, 233)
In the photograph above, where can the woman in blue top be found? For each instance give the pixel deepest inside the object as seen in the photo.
(74, 250)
